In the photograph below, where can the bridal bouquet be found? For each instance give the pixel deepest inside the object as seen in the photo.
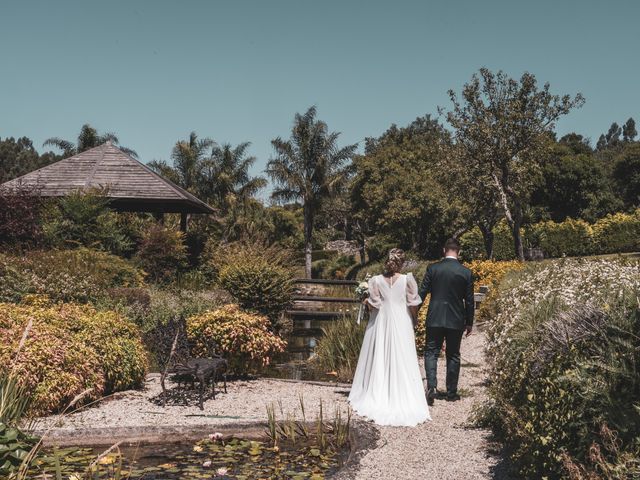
(362, 292)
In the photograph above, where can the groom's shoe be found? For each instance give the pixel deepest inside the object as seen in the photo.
(452, 397)
(431, 396)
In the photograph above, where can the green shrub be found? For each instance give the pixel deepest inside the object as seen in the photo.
(162, 253)
(339, 348)
(617, 233)
(378, 247)
(472, 244)
(79, 275)
(63, 275)
(336, 268)
(243, 338)
(563, 346)
(259, 279)
(571, 238)
(83, 218)
(68, 349)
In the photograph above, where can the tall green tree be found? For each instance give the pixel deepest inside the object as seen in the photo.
(87, 138)
(504, 127)
(18, 157)
(308, 168)
(397, 191)
(626, 173)
(574, 184)
(629, 131)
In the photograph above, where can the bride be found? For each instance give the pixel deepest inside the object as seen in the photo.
(387, 386)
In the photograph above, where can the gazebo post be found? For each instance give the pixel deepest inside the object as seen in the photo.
(184, 218)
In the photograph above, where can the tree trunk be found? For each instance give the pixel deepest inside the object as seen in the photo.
(514, 218)
(517, 236)
(488, 238)
(308, 240)
(362, 248)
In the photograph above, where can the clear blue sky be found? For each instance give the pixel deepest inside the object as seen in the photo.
(152, 71)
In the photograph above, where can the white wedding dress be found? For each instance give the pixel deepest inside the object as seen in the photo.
(387, 387)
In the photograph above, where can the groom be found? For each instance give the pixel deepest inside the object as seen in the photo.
(450, 315)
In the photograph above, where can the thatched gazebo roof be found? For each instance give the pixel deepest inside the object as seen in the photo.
(130, 185)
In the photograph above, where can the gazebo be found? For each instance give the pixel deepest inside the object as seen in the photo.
(130, 185)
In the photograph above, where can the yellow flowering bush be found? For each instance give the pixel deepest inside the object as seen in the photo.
(490, 272)
(243, 338)
(68, 349)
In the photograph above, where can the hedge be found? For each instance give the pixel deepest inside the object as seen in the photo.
(617, 233)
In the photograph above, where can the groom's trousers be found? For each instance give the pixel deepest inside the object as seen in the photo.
(436, 336)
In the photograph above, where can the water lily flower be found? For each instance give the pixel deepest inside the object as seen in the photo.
(222, 471)
(207, 464)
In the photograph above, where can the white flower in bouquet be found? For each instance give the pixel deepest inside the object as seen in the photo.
(362, 292)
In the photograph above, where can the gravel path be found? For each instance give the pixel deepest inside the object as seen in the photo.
(445, 448)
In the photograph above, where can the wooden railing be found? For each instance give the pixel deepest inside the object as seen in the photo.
(302, 315)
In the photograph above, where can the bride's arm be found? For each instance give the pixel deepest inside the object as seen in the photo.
(413, 298)
(374, 300)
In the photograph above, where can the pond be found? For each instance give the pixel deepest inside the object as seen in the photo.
(233, 458)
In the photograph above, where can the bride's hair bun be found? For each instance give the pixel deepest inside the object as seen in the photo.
(395, 261)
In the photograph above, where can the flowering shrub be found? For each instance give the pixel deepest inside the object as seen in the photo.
(80, 275)
(563, 346)
(243, 338)
(162, 253)
(68, 349)
(491, 273)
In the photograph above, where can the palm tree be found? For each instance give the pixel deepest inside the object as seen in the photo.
(188, 157)
(226, 180)
(88, 138)
(309, 167)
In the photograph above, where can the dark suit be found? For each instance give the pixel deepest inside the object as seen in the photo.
(451, 309)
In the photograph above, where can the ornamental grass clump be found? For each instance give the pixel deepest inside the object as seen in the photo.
(243, 338)
(564, 352)
(69, 349)
(339, 348)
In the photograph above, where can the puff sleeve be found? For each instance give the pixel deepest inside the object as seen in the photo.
(374, 300)
(413, 298)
